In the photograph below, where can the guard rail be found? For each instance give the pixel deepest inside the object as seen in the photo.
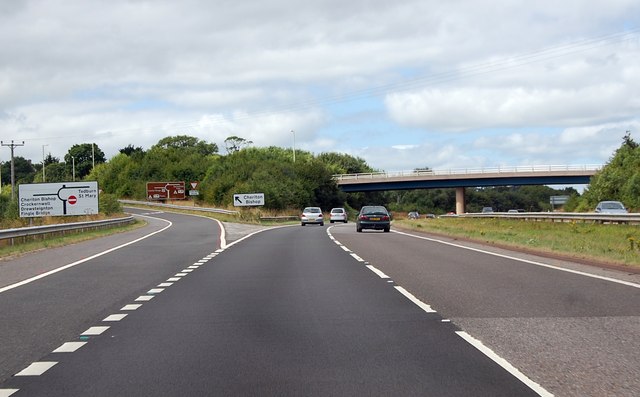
(23, 232)
(179, 207)
(632, 219)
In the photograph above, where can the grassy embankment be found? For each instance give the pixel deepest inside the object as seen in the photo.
(42, 242)
(615, 244)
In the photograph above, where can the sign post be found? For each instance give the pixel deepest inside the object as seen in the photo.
(58, 199)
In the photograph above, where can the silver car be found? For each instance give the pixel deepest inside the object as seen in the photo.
(611, 207)
(338, 215)
(312, 215)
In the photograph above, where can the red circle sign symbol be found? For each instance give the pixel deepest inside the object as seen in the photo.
(72, 199)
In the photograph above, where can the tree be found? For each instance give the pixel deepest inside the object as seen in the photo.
(341, 163)
(190, 143)
(83, 157)
(56, 172)
(132, 151)
(23, 168)
(50, 160)
(618, 180)
(234, 143)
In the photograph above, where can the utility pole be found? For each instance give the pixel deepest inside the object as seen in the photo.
(43, 175)
(294, 145)
(12, 145)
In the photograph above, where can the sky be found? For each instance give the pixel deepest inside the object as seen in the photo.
(411, 84)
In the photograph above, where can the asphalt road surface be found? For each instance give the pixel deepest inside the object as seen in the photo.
(299, 311)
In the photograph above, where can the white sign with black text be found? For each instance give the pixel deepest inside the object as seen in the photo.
(249, 199)
(58, 199)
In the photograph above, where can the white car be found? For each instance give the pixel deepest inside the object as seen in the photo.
(338, 215)
(312, 215)
(611, 207)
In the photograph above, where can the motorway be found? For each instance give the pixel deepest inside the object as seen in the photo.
(184, 307)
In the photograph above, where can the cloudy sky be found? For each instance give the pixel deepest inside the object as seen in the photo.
(407, 84)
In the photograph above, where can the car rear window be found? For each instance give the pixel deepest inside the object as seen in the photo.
(374, 210)
(312, 210)
(337, 211)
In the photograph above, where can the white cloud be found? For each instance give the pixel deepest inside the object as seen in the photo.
(131, 72)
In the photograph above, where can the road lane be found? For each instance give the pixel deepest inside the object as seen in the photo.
(36, 318)
(285, 312)
(573, 334)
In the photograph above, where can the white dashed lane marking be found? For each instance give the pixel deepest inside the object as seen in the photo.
(69, 347)
(94, 331)
(37, 368)
(115, 317)
(378, 272)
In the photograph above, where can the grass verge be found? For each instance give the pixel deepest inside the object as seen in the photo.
(612, 244)
(39, 242)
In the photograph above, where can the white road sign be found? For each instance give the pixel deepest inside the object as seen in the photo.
(58, 199)
(248, 199)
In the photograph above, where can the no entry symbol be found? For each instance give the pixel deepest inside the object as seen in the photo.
(72, 199)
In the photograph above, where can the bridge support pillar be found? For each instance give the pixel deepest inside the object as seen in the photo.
(460, 205)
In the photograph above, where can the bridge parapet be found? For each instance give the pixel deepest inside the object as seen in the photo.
(486, 172)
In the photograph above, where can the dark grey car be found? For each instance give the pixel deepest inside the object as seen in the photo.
(373, 217)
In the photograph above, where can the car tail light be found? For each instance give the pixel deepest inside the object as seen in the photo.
(320, 216)
(385, 218)
(363, 218)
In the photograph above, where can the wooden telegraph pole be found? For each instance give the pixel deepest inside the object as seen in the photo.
(12, 145)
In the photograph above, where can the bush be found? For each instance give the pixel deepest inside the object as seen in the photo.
(108, 204)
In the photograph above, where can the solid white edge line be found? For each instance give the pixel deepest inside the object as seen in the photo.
(7, 392)
(504, 364)
(43, 275)
(613, 280)
(415, 300)
(37, 368)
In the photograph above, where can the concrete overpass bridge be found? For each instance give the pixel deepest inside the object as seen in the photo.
(468, 177)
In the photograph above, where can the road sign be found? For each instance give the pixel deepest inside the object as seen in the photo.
(248, 199)
(58, 199)
(559, 199)
(165, 191)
